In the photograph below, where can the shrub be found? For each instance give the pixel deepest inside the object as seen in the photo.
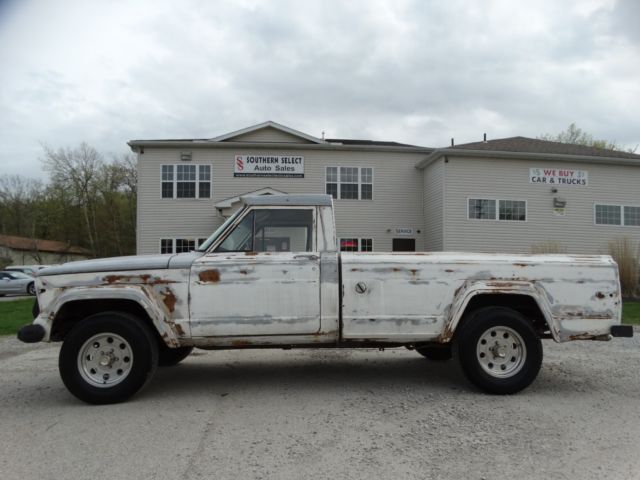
(626, 254)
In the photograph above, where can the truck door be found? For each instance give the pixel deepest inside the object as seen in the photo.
(263, 278)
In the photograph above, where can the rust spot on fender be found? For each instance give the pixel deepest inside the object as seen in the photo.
(520, 264)
(413, 271)
(600, 295)
(144, 278)
(251, 253)
(169, 299)
(244, 272)
(209, 276)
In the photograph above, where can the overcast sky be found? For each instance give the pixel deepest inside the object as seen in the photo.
(419, 72)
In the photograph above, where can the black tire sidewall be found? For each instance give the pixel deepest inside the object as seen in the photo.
(168, 357)
(467, 340)
(436, 353)
(144, 352)
(31, 289)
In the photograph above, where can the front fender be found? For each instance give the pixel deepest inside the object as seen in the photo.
(161, 318)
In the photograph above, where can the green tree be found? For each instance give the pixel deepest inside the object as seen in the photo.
(575, 135)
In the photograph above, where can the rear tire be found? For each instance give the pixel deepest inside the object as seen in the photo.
(436, 353)
(499, 350)
(168, 357)
(108, 357)
(31, 289)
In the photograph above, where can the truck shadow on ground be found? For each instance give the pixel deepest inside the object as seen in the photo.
(307, 374)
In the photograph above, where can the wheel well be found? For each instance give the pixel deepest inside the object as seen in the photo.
(74, 311)
(523, 304)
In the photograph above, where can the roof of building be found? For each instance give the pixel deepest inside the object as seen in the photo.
(36, 244)
(534, 145)
(238, 137)
(349, 141)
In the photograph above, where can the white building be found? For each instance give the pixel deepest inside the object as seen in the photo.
(508, 195)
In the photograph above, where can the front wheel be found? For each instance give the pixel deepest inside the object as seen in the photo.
(499, 350)
(108, 357)
(168, 357)
(31, 289)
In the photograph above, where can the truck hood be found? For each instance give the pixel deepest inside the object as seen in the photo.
(118, 264)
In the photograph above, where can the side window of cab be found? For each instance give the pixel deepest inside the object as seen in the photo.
(272, 230)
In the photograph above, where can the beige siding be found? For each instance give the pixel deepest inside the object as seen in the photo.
(509, 179)
(268, 134)
(434, 205)
(397, 193)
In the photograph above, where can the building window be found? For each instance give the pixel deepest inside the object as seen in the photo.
(507, 210)
(167, 181)
(179, 245)
(632, 216)
(350, 183)
(356, 245)
(366, 183)
(623, 215)
(186, 181)
(512, 210)
(166, 245)
(608, 215)
(480, 209)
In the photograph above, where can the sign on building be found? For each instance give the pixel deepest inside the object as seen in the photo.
(268, 166)
(558, 176)
(404, 231)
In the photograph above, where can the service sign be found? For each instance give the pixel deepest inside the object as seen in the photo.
(405, 231)
(268, 166)
(559, 177)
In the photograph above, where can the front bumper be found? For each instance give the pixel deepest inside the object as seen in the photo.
(622, 331)
(32, 333)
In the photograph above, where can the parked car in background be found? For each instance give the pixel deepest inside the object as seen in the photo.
(18, 283)
(28, 269)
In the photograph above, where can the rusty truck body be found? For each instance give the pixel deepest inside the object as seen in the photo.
(272, 276)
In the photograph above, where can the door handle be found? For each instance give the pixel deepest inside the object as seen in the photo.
(306, 257)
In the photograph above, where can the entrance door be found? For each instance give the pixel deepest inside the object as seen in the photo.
(404, 244)
(263, 279)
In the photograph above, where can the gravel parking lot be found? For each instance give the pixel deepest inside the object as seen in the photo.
(327, 414)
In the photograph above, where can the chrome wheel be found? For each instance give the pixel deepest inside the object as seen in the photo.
(105, 360)
(501, 352)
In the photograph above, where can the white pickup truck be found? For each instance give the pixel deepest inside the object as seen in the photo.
(271, 276)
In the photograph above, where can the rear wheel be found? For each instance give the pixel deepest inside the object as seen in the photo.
(31, 289)
(108, 357)
(499, 350)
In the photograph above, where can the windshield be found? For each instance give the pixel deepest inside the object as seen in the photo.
(219, 230)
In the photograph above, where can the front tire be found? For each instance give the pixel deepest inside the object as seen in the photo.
(107, 357)
(168, 357)
(31, 289)
(499, 350)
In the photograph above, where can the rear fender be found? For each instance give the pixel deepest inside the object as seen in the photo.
(470, 289)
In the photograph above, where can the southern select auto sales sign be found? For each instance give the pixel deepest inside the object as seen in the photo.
(268, 166)
(558, 176)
